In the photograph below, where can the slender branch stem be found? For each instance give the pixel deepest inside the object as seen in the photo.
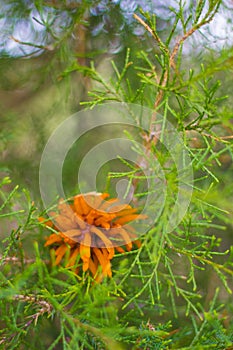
(203, 260)
(171, 58)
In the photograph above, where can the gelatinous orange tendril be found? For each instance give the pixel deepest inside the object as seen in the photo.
(89, 230)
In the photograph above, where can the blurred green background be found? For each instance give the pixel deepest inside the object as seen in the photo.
(41, 40)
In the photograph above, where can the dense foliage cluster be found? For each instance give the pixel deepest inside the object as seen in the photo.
(174, 290)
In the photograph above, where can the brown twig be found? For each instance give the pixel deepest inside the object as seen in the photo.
(163, 82)
(42, 47)
(17, 260)
(186, 36)
(171, 62)
(220, 138)
(154, 34)
(216, 138)
(45, 307)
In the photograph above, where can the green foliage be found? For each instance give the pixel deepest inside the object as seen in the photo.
(175, 291)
